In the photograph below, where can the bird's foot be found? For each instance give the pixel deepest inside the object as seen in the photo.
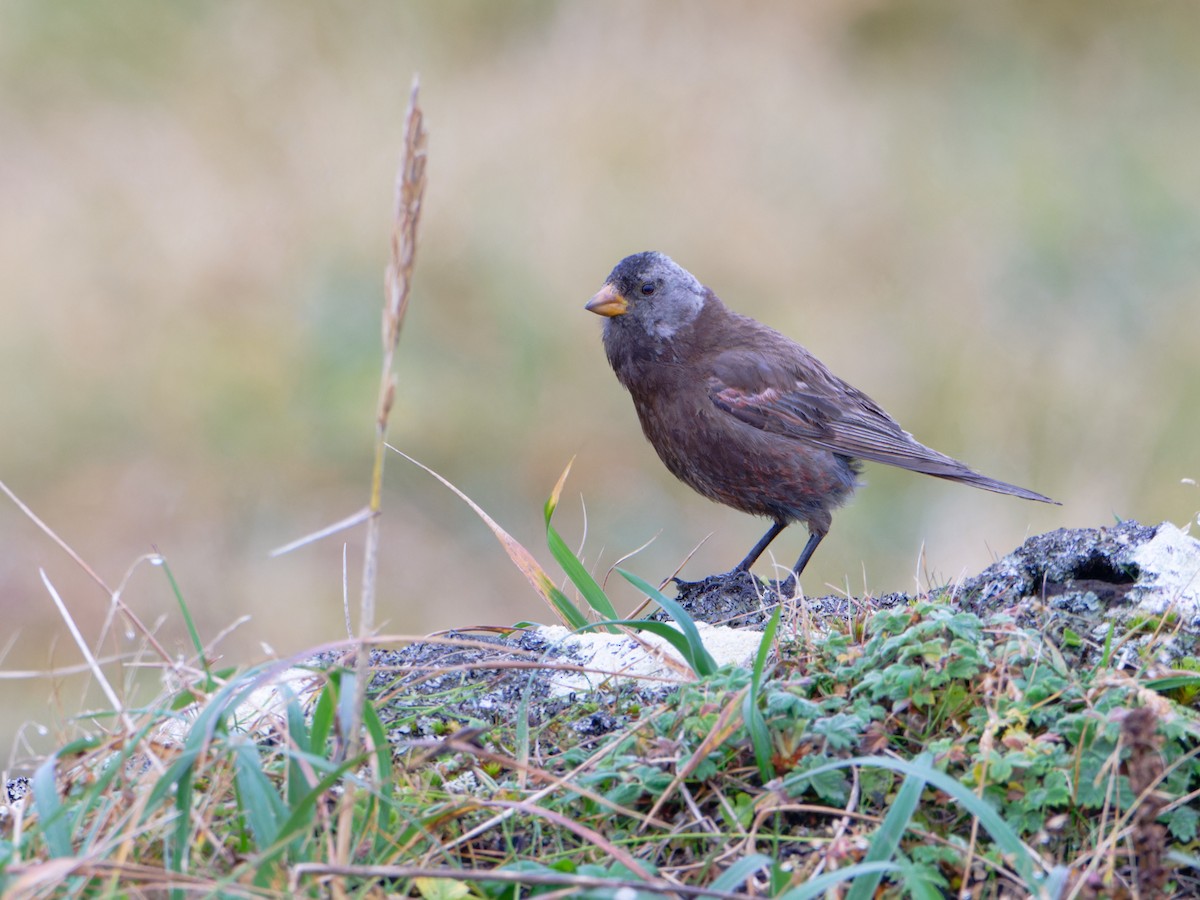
(687, 586)
(785, 589)
(725, 579)
(734, 579)
(737, 598)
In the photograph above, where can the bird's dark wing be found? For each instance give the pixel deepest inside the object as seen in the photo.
(794, 395)
(797, 397)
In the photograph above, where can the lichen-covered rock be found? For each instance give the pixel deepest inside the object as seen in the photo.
(1130, 588)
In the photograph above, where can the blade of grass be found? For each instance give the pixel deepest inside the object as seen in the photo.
(822, 883)
(52, 815)
(567, 611)
(193, 633)
(383, 754)
(673, 636)
(1171, 682)
(705, 664)
(887, 838)
(756, 723)
(522, 558)
(256, 796)
(183, 772)
(733, 877)
(301, 738)
(1002, 833)
(302, 812)
(571, 564)
(347, 699)
(323, 715)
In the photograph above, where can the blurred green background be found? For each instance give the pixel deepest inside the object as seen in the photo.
(987, 216)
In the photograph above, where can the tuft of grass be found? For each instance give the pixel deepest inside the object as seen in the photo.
(926, 751)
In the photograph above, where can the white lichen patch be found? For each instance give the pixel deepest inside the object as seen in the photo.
(604, 656)
(1169, 564)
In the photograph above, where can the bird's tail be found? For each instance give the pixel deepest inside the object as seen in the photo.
(916, 457)
(973, 478)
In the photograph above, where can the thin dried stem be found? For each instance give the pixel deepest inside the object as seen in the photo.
(113, 596)
(410, 191)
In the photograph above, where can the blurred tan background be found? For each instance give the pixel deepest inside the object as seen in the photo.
(985, 216)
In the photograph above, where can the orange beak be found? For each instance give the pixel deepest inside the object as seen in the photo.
(607, 302)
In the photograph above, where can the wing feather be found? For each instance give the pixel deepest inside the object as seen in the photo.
(802, 400)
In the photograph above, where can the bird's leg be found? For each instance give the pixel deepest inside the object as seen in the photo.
(757, 550)
(813, 539)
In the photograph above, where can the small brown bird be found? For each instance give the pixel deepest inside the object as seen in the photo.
(744, 415)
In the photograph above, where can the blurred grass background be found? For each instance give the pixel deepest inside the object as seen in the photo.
(985, 216)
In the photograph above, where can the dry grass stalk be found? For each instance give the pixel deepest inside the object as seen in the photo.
(114, 597)
(410, 191)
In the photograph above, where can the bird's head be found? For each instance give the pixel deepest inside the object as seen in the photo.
(650, 294)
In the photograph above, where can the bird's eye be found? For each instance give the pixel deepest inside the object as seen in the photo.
(647, 288)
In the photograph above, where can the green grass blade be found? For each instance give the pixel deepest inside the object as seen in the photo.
(890, 832)
(213, 715)
(193, 633)
(733, 877)
(52, 815)
(171, 780)
(302, 813)
(760, 736)
(571, 565)
(384, 788)
(323, 714)
(756, 723)
(822, 883)
(301, 737)
(177, 779)
(578, 574)
(1171, 682)
(704, 663)
(1002, 833)
(764, 650)
(383, 749)
(567, 611)
(345, 702)
(259, 803)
